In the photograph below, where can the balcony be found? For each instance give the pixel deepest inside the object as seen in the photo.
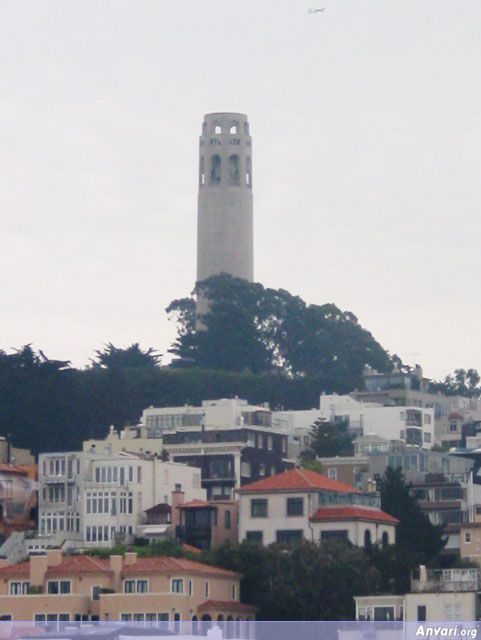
(445, 580)
(55, 479)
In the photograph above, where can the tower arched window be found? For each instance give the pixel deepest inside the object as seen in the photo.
(202, 171)
(233, 129)
(384, 540)
(215, 170)
(234, 172)
(248, 172)
(217, 129)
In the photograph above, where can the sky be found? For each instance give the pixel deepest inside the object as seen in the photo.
(366, 130)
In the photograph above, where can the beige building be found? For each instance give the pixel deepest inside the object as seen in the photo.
(302, 504)
(79, 587)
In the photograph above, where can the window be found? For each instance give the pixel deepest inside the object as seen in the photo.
(453, 427)
(383, 613)
(340, 535)
(427, 418)
(422, 613)
(142, 586)
(295, 506)
(259, 508)
(227, 522)
(254, 536)
(96, 592)
(206, 589)
(126, 617)
(190, 587)
(131, 474)
(177, 586)
(427, 437)
(467, 537)
(289, 536)
(234, 592)
(19, 588)
(129, 586)
(332, 473)
(215, 170)
(139, 475)
(56, 586)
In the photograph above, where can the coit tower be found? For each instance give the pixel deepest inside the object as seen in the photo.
(225, 223)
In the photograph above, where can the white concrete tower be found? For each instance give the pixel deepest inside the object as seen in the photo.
(225, 222)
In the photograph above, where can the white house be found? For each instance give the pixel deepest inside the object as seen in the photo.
(96, 499)
(302, 504)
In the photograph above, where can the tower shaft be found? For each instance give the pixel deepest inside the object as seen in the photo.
(225, 218)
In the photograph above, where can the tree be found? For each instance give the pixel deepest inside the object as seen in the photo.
(114, 358)
(305, 581)
(330, 439)
(461, 383)
(418, 541)
(252, 328)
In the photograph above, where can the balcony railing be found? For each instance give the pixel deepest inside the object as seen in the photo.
(446, 580)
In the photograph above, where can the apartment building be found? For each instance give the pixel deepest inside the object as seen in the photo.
(408, 424)
(230, 441)
(302, 504)
(54, 587)
(97, 499)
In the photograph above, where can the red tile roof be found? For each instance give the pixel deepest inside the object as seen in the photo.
(21, 569)
(352, 513)
(297, 479)
(80, 564)
(10, 468)
(221, 604)
(198, 504)
(177, 565)
(189, 547)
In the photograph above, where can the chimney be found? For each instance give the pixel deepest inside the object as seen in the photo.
(38, 567)
(116, 567)
(130, 558)
(54, 557)
(178, 498)
(423, 574)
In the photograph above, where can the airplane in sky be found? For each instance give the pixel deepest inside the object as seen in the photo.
(317, 10)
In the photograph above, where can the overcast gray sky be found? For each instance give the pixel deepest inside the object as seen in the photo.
(366, 127)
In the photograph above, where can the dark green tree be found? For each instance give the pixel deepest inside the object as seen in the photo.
(252, 328)
(305, 581)
(114, 358)
(418, 541)
(330, 439)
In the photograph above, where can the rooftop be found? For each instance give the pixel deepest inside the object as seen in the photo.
(298, 480)
(353, 513)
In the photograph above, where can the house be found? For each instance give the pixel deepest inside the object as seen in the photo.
(88, 498)
(205, 524)
(56, 587)
(438, 594)
(302, 504)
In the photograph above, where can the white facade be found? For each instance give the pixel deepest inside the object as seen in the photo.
(411, 425)
(94, 499)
